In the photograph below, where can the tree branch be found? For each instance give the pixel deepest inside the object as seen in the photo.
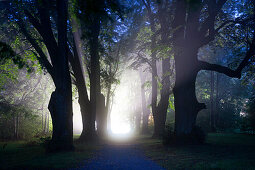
(227, 71)
(218, 68)
(42, 58)
(214, 9)
(211, 36)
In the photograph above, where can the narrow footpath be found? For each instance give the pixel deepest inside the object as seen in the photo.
(120, 157)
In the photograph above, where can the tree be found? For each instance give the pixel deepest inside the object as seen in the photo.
(159, 50)
(93, 19)
(189, 36)
(60, 104)
(251, 113)
(145, 109)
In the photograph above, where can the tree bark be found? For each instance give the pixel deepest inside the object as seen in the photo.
(101, 117)
(60, 105)
(145, 109)
(185, 101)
(212, 109)
(217, 101)
(95, 88)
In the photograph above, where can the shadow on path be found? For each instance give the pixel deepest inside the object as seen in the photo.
(120, 157)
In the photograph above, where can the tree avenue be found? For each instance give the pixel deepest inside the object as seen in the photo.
(85, 45)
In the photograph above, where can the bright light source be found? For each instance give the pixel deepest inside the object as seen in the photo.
(120, 128)
(77, 120)
(125, 102)
(119, 114)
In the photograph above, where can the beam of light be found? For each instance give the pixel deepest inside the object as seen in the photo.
(121, 127)
(77, 120)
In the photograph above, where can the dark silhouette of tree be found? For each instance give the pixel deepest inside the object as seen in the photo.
(93, 18)
(190, 34)
(60, 105)
(159, 108)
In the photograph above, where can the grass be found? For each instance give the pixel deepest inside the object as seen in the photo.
(24, 155)
(221, 151)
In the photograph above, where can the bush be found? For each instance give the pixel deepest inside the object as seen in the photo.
(197, 136)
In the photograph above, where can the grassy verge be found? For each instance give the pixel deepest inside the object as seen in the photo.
(24, 155)
(221, 151)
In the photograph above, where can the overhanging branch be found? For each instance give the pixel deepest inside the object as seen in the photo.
(218, 68)
(227, 71)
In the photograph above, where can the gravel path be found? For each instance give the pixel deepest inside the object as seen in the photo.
(120, 157)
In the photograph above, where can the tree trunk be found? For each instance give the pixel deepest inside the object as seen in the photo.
(88, 131)
(154, 81)
(145, 109)
(101, 117)
(160, 117)
(95, 88)
(138, 121)
(212, 113)
(108, 108)
(217, 101)
(60, 105)
(185, 101)
(15, 120)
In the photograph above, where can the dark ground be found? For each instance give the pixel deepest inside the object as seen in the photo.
(221, 151)
(120, 157)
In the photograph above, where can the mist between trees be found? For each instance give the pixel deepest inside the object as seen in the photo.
(165, 68)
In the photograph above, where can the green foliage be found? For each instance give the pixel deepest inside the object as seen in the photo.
(8, 72)
(27, 121)
(144, 35)
(7, 53)
(171, 102)
(163, 52)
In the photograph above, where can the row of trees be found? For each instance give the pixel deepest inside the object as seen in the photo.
(174, 36)
(55, 36)
(81, 42)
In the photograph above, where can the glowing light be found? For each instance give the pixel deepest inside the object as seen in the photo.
(119, 122)
(124, 106)
(77, 120)
(120, 128)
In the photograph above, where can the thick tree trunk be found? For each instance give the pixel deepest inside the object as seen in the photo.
(160, 117)
(95, 88)
(101, 117)
(154, 81)
(185, 101)
(60, 105)
(185, 106)
(88, 131)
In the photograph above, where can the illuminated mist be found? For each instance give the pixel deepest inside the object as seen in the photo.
(123, 109)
